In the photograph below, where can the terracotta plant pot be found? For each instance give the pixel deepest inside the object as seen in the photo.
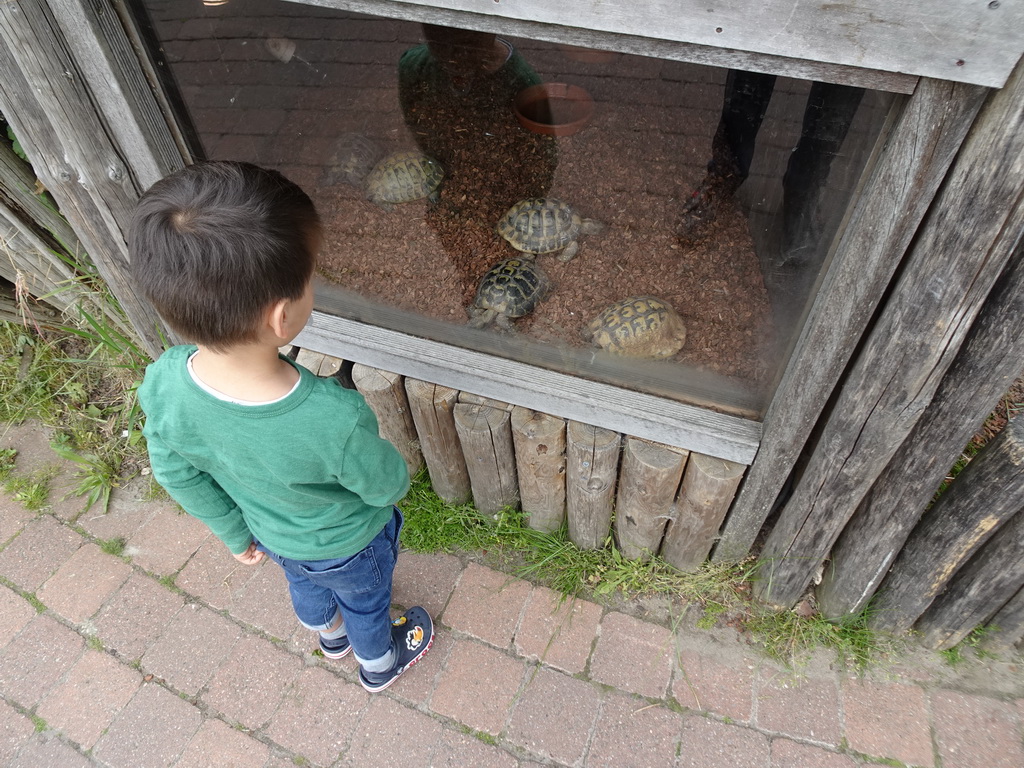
(554, 109)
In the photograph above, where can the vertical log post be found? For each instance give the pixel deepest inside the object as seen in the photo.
(433, 412)
(979, 589)
(310, 360)
(385, 395)
(486, 436)
(988, 492)
(1007, 625)
(648, 481)
(539, 441)
(592, 458)
(709, 485)
(329, 366)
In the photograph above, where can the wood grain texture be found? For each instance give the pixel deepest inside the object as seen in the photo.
(592, 461)
(896, 195)
(433, 412)
(385, 394)
(1006, 625)
(539, 441)
(648, 480)
(968, 42)
(486, 437)
(944, 281)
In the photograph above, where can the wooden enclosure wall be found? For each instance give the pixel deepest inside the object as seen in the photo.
(655, 499)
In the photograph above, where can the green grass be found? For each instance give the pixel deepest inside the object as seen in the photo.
(971, 646)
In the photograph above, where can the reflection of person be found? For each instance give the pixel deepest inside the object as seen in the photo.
(276, 461)
(827, 116)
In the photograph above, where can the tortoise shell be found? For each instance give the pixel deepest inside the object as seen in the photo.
(404, 176)
(640, 326)
(545, 225)
(510, 289)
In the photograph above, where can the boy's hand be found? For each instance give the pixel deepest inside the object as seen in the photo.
(251, 556)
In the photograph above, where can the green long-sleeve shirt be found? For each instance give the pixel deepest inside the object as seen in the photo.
(307, 475)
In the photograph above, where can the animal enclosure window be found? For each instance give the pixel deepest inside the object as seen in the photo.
(650, 223)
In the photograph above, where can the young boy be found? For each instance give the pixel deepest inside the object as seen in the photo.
(276, 461)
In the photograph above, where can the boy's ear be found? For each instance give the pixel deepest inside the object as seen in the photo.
(277, 317)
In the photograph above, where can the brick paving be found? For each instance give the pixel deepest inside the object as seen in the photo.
(173, 654)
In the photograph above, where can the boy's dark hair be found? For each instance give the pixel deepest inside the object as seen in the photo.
(215, 244)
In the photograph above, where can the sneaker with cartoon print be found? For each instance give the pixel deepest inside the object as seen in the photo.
(412, 634)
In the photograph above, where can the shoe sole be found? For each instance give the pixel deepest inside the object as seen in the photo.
(335, 654)
(378, 688)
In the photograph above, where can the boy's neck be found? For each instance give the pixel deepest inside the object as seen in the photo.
(252, 372)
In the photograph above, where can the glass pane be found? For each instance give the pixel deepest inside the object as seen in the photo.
(654, 224)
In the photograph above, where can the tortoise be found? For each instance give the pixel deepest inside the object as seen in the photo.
(640, 326)
(545, 225)
(402, 177)
(352, 157)
(510, 289)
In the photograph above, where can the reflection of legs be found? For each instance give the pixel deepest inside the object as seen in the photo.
(732, 149)
(827, 117)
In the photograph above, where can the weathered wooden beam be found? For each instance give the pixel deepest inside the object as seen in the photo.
(959, 253)
(1006, 626)
(987, 364)
(913, 161)
(539, 441)
(51, 105)
(984, 496)
(592, 461)
(432, 407)
(486, 437)
(993, 576)
(385, 394)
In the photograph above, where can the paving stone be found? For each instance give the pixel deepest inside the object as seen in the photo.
(418, 684)
(631, 731)
(318, 715)
(38, 551)
(89, 697)
(82, 585)
(713, 682)
(136, 615)
(45, 749)
(15, 613)
(249, 687)
(790, 754)
(426, 580)
(213, 575)
(191, 648)
(218, 744)
(32, 441)
(15, 730)
(27, 673)
(153, 729)
(554, 716)
(888, 720)
(458, 750)
(976, 731)
(13, 518)
(479, 687)
(707, 743)
(560, 633)
(388, 729)
(167, 540)
(123, 518)
(633, 655)
(804, 708)
(487, 604)
(264, 602)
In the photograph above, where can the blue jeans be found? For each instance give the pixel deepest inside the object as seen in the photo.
(358, 586)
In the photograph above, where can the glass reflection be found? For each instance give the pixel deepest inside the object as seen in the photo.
(676, 215)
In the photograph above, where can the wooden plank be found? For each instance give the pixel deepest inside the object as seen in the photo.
(991, 578)
(987, 364)
(654, 418)
(709, 486)
(591, 464)
(539, 441)
(968, 42)
(433, 412)
(648, 480)
(900, 187)
(986, 494)
(329, 366)
(47, 100)
(956, 258)
(385, 394)
(486, 437)
(1006, 626)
